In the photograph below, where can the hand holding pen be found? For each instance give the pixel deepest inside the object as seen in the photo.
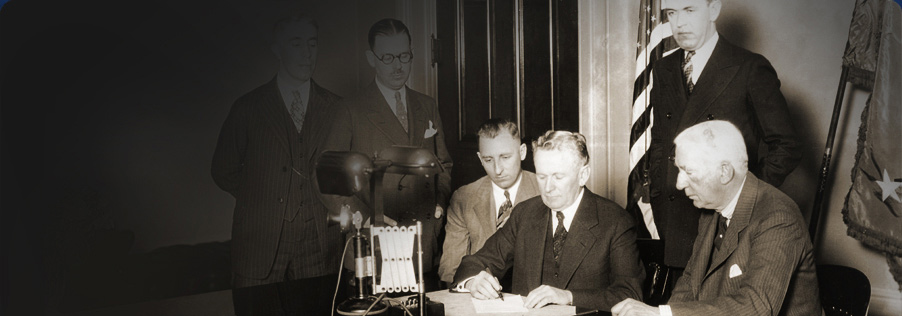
(484, 286)
(497, 289)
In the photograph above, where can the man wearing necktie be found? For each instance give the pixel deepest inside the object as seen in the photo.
(709, 78)
(265, 159)
(567, 247)
(480, 208)
(388, 113)
(752, 255)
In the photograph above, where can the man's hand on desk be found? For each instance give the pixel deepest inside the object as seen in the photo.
(483, 286)
(544, 295)
(631, 307)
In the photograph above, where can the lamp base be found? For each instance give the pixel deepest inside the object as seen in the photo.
(358, 305)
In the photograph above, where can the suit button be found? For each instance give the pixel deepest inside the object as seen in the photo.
(668, 115)
(670, 158)
(710, 116)
(555, 275)
(281, 200)
(671, 197)
(284, 169)
(302, 204)
(301, 186)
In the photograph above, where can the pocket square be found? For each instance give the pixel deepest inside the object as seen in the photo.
(735, 271)
(431, 131)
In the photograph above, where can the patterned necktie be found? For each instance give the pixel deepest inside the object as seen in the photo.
(560, 234)
(687, 71)
(504, 212)
(721, 230)
(297, 110)
(400, 110)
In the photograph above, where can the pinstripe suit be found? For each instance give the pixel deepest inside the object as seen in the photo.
(767, 250)
(268, 167)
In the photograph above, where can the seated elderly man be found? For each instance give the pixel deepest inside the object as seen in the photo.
(752, 255)
(567, 247)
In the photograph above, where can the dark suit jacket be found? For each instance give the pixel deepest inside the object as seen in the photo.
(471, 219)
(262, 161)
(368, 126)
(737, 86)
(599, 263)
(767, 241)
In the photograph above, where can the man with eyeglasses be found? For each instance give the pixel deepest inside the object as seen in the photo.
(388, 113)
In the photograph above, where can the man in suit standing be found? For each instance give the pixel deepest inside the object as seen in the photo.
(387, 113)
(567, 247)
(478, 209)
(752, 255)
(707, 79)
(264, 158)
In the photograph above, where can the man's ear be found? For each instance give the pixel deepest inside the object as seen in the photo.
(726, 172)
(370, 57)
(584, 175)
(714, 10)
(522, 151)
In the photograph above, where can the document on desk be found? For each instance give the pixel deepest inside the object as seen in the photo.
(511, 304)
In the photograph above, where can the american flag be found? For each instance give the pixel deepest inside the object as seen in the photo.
(654, 41)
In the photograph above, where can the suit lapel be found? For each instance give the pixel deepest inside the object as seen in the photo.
(580, 238)
(484, 208)
(672, 73)
(381, 116)
(537, 222)
(738, 222)
(416, 115)
(276, 115)
(717, 74)
(527, 189)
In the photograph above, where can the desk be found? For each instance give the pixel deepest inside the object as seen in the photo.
(459, 304)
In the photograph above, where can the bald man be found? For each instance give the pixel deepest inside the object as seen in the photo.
(752, 255)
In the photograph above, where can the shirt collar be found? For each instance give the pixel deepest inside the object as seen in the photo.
(286, 87)
(731, 207)
(701, 57)
(498, 193)
(569, 211)
(389, 95)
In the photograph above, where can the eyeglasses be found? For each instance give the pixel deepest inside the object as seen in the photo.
(389, 58)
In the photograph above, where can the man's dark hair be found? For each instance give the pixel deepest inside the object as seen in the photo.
(387, 27)
(281, 24)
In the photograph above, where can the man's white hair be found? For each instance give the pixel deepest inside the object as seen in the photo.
(717, 141)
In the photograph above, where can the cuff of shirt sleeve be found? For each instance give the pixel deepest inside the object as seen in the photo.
(665, 310)
(462, 286)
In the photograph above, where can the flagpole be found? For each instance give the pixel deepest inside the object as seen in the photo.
(828, 152)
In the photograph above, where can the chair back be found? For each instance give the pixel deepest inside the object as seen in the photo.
(658, 284)
(844, 291)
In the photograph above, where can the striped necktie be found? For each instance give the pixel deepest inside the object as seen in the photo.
(687, 71)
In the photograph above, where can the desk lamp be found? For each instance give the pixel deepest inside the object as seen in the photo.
(345, 173)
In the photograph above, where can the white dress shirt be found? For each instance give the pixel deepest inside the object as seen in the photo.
(701, 57)
(287, 87)
(498, 194)
(389, 95)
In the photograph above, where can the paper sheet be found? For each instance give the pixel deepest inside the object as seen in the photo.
(511, 304)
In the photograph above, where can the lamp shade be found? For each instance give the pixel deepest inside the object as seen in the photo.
(343, 172)
(411, 160)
